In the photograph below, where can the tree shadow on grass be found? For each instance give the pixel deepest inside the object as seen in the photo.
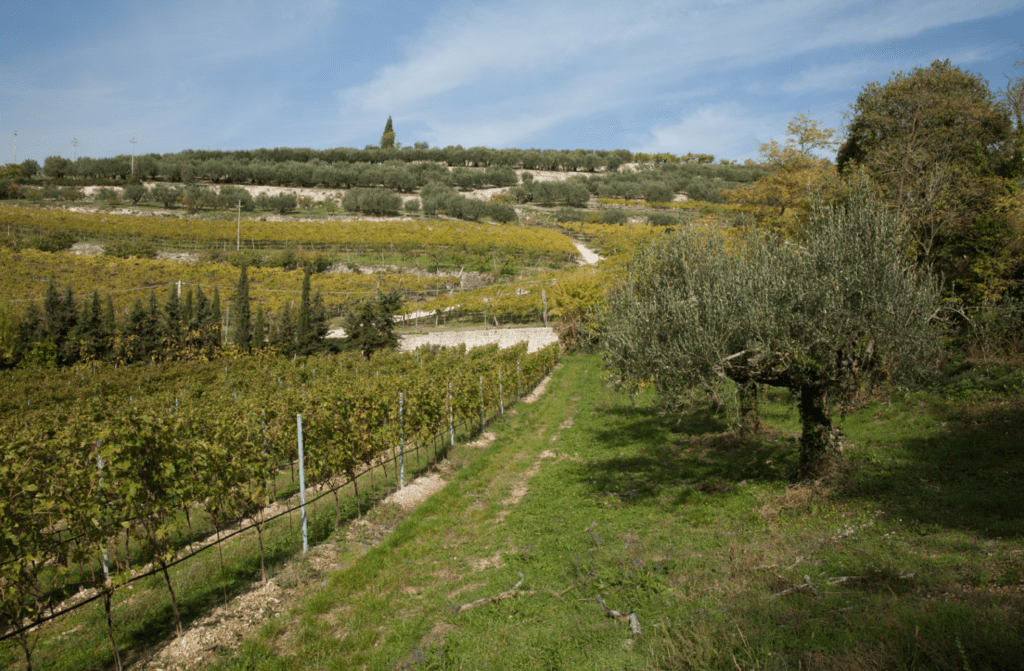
(969, 476)
(692, 453)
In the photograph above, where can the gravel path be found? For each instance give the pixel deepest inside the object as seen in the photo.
(590, 257)
(537, 338)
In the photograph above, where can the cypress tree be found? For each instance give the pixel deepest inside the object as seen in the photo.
(108, 329)
(283, 336)
(214, 337)
(318, 319)
(171, 324)
(151, 333)
(259, 329)
(186, 308)
(86, 336)
(303, 336)
(133, 340)
(199, 322)
(387, 140)
(243, 334)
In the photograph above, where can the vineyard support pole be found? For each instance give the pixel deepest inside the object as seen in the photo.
(401, 440)
(451, 414)
(106, 561)
(501, 395)
(483, 420)
(302, 488)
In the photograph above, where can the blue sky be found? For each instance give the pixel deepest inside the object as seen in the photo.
(716, 76)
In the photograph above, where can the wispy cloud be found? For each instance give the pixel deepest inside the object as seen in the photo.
(696, 76)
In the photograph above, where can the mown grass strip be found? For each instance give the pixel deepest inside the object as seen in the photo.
(909, 556)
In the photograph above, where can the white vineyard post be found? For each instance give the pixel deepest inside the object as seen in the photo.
(99, 467)
(483, 421)
(401, 440)
(451, 414)
(302, 488)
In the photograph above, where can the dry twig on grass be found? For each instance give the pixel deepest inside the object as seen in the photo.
(631, 618)
(515, 591)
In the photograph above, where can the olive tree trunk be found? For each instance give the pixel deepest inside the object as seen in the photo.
(820, 439)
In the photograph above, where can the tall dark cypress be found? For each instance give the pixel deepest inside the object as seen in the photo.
(303, 335)
(171, 331)
(243, 328)
(259, 329)
(214, 337)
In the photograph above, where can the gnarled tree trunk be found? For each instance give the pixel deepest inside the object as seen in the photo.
(820, 439)
(750, 414)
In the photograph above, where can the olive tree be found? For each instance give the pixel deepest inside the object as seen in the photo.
(818, 316)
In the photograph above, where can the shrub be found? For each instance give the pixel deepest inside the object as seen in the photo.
(576, 194)
(613, 217)
(108, 195)
(657, 192)
(31, 194)
(231, 196)
(703, 189)
(244, 258)
(467, 179)
(662, 219)
(350, 201)
(72, 194)
(472, 209)
(565, 214)
(380, 201)
(502, 212)
(135, 193)
(126, 248)
(165, 195)
(281, 203)
(55, 242)
(412, 205)
(500, 176)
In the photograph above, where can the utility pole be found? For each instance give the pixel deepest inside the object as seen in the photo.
(74, 149)
(15, 146)
(133, 156)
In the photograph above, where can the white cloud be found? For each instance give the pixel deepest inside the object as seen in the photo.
(726, 130)
(531, 46)
(835, 77)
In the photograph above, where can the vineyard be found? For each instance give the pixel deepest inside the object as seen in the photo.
(113, 469)
(28, 272)
(406, 236)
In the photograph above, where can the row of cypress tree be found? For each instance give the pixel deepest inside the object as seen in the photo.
(67, 330)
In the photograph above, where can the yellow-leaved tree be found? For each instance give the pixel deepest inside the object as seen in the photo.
(576, 298)
(780, 198)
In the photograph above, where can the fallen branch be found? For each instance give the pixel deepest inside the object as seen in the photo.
(515, 591)
(631, 618)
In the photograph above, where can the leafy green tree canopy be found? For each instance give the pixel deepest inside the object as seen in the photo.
(940, 147)
(818, 317)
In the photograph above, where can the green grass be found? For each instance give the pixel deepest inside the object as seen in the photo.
(694, 529)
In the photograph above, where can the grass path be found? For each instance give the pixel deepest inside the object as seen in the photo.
(911, 557)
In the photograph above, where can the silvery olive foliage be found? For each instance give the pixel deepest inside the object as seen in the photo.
(821, 315)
